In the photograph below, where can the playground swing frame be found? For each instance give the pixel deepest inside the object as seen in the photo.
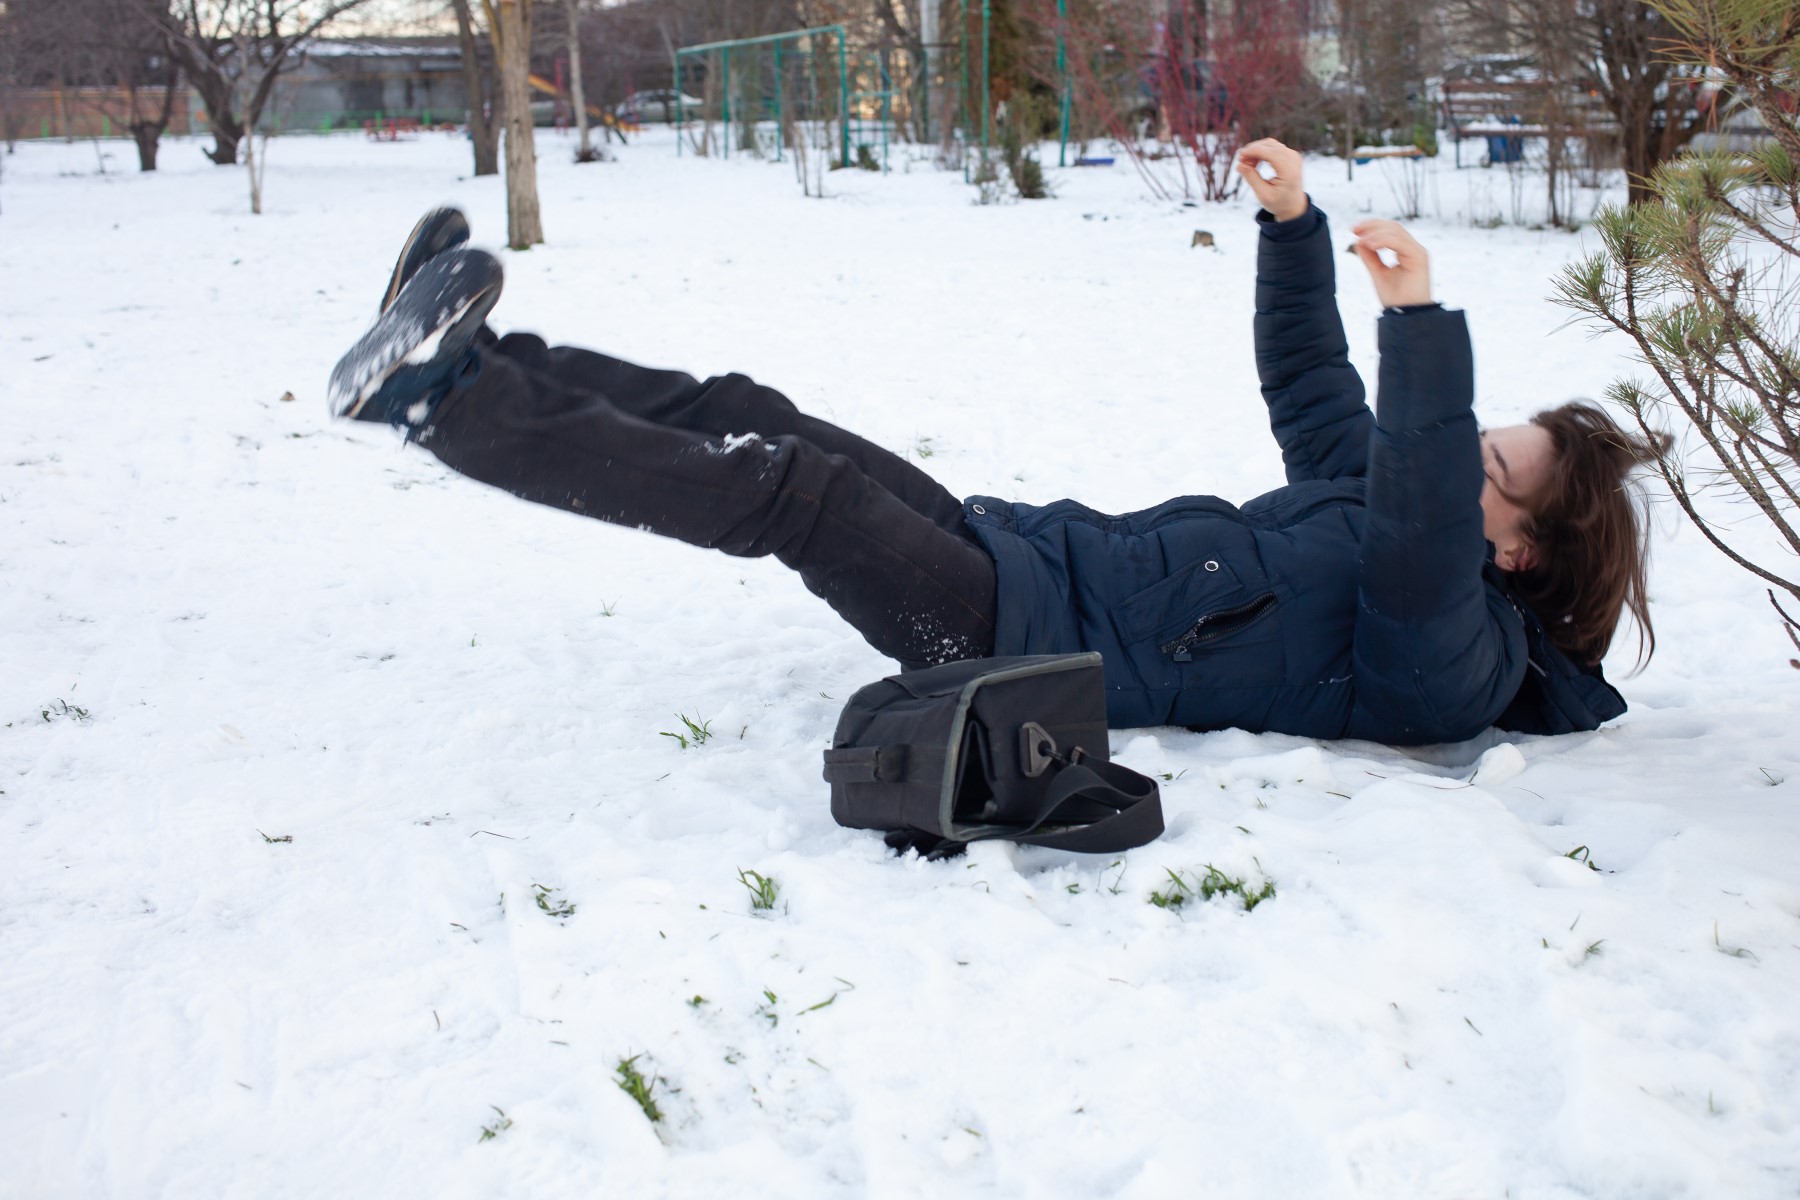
(724, 50)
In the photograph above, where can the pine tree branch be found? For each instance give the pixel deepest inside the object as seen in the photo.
(1748, 220)
(1701, 411)
(1789, 626)
(1735, 318)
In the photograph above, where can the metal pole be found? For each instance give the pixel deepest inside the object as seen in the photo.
(928, 38)
(843, 97)
(962, 103)
(986, 68)
(727, 53)
(680, 108)
(791, 35)
(1062, 73)
(780, 129)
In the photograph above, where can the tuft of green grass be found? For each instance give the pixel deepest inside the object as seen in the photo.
(1216, 882)
(1584, 856)
(286, 837)
(497, 1126)
(828, 1001)
(551, 900)
(1176, 894)
(763, 890)
(698, 732)
(59, 709)
(635, 1084)
(1213, 882)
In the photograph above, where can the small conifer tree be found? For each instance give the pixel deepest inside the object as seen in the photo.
(1704, 278)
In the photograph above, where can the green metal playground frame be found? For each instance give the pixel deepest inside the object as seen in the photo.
(1062, 73)
(687, 54)
(776, 40)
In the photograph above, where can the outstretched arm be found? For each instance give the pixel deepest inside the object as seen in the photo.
(1315, 396)
(1436, 657)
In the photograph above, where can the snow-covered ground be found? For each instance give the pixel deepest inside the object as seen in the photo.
(298, 727)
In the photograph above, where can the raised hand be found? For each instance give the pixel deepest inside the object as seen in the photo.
(1408, 280)
(1282, 194)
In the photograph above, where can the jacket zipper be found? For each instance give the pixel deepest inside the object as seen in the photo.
(1217, 624)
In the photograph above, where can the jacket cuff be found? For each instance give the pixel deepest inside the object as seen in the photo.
(1300, 227)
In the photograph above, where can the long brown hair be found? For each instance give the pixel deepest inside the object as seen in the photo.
(1591, 529)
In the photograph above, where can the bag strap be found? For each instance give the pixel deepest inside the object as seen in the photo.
(1136, 802)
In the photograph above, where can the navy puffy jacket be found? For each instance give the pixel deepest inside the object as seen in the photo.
(1357, 601)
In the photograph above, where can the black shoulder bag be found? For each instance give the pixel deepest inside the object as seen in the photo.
(1010, 748)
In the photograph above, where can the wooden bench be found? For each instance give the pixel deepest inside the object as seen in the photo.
(1483, 108)
(1363, 155)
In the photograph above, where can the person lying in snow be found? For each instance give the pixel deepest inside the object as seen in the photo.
(1417, 580)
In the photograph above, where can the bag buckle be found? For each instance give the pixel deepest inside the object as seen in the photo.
(1037, 749)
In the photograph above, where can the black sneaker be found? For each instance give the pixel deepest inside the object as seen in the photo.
(412, 353)
(437, 231)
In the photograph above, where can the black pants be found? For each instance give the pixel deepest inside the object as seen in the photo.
(730, 465)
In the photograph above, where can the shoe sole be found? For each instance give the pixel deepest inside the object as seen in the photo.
(445, 301)
(439, 230)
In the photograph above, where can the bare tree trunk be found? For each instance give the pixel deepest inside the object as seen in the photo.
(255, 178)
(147, 138)
(216, 94)
(509, 24)
(585, 153)
(252, 167)
(484, 109)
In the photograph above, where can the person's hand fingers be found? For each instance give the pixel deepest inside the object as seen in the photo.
(1264, 149)
(1378, 235)
(1285, 163)
(1407, 279)
(1371, 258)
(1263, 188)
(1280, 191)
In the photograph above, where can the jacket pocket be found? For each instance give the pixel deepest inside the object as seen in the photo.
(1205, 626)
(1214, 625)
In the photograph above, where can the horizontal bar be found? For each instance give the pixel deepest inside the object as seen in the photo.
(733, 43)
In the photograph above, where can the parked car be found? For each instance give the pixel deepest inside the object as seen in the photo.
(656, 105)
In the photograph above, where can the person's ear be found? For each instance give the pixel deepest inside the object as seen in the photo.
(1519, 555)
